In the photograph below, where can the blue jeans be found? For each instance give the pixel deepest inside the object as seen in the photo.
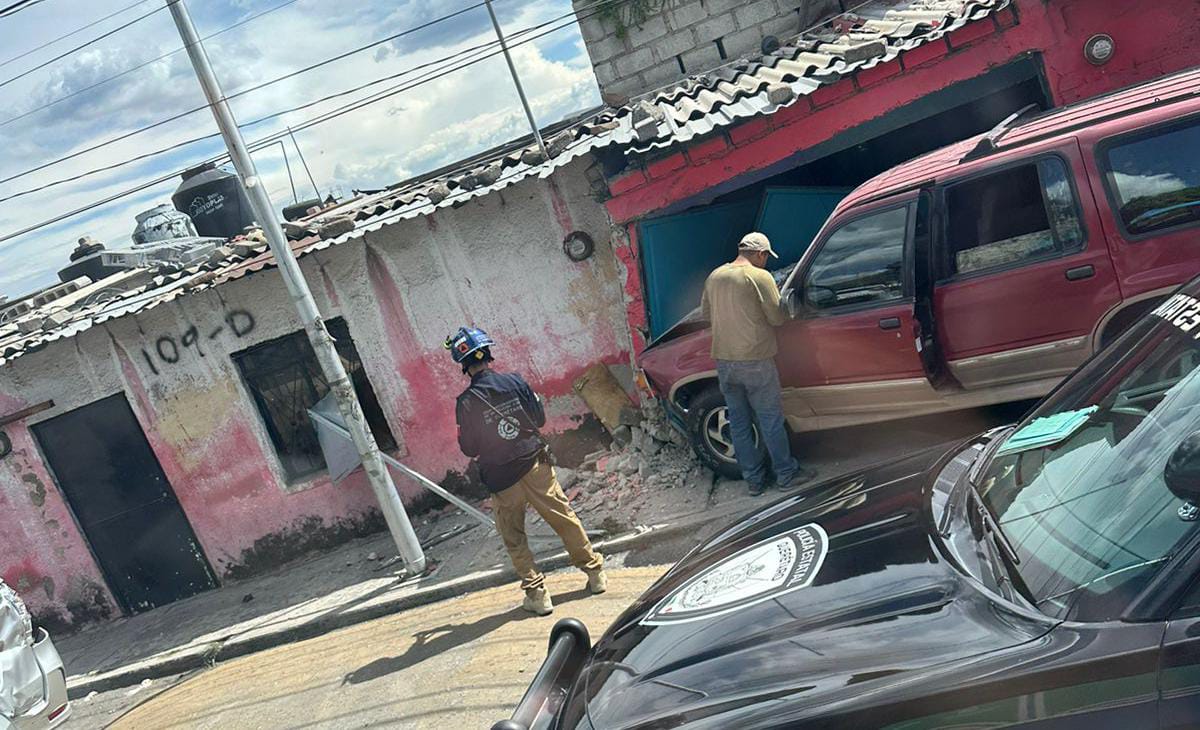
(753, 394)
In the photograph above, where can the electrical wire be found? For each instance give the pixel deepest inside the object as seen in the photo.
(78, 153)
(144, 64)
(596, 8)
(18, 7)
(82, 46)
(78, 30)
(257, 87)
(353, 106)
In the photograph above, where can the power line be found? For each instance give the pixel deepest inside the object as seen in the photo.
(142, 65)
(78, 30)
(17, 7)
(353, 106)
(257, 87)
(82, 46)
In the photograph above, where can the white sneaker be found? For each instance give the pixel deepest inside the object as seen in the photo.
(597, 581)
(537, 601)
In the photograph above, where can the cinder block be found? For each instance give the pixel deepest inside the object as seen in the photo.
(744, 42)
(592, 28)
(662, 74)
(607, 48)
(755, 13)
(721, 6)
(686, 14)
(676, 44)
(625, 85)
(649, 31)
(716, 27)
(704, 58)
(606, 72)
(785, 27)
(631, 63)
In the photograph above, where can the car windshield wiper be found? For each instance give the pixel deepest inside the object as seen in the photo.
(1000, 551)
(985, 457)
(983, 453)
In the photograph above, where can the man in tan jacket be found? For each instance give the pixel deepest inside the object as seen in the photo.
(741, 301)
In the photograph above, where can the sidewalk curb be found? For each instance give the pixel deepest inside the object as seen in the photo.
(198, 657)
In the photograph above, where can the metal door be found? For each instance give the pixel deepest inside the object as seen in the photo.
(126, 508)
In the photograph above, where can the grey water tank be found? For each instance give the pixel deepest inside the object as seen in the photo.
(214, 200)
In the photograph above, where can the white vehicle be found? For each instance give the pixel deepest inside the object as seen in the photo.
(33, 683)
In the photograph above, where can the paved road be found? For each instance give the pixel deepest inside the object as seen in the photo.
(462, 663)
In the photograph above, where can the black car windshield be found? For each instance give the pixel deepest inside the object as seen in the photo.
(1078, 488)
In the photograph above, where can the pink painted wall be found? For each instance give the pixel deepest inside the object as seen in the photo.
(496, 262)
(42, 554)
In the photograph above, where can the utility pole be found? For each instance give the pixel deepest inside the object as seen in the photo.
(537, 134)
(322, 344)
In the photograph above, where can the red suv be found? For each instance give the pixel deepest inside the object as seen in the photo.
(981, 273)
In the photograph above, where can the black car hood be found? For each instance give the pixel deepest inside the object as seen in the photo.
(882, 606)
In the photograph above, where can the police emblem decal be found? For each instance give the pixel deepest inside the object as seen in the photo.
(783, 564)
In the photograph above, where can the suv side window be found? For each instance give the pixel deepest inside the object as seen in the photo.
(1155, 180)
(1018, 215)
(860, 263)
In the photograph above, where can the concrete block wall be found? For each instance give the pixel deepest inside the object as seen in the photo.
(687, 37)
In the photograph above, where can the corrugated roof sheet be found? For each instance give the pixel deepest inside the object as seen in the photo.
(872, 35)
(875, 34)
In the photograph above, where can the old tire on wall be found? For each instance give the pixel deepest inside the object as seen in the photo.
(708, 431)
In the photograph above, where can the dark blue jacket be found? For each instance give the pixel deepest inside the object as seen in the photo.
(506, 444)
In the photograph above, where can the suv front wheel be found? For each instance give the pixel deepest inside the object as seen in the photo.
(709, 432)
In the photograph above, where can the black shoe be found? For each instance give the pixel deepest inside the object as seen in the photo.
(802, 477)
(757, 490)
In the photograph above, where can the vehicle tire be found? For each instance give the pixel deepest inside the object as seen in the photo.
(708, 430)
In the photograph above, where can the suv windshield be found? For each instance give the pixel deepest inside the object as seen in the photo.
(1078, 487)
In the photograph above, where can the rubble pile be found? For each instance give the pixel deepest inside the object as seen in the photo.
(625, 484)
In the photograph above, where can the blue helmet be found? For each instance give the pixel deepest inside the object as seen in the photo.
(469, 345)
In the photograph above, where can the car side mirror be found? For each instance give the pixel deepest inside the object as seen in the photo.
(1182, 472)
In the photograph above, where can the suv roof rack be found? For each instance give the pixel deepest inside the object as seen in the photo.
(991, 140)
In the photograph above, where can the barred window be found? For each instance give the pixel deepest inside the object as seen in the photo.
(285, 380)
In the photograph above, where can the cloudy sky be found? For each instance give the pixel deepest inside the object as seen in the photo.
(418, 130)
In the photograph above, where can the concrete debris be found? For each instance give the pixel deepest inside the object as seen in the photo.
(623, 486)
(245, 248)
(295, 231)
(566, 477)
(438, 192)
(335, 227)
(219, 254)
(630, 415)
(533, 156)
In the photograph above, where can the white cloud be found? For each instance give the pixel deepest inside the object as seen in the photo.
(1137, 186)
(404, 135)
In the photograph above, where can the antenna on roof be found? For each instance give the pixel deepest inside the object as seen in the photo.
(991, 140)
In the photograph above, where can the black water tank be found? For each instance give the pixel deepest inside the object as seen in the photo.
(215, 201)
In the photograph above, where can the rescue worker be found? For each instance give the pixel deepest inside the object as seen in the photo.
(741, 301)
(498, 420)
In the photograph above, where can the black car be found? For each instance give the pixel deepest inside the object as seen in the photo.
(1045, 575)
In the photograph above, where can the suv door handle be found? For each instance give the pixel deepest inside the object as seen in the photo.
(1081, 272)
(889, 323)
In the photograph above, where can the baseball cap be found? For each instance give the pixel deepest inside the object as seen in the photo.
(756, 241)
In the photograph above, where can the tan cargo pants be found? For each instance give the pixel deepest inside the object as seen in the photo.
(540, 488)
